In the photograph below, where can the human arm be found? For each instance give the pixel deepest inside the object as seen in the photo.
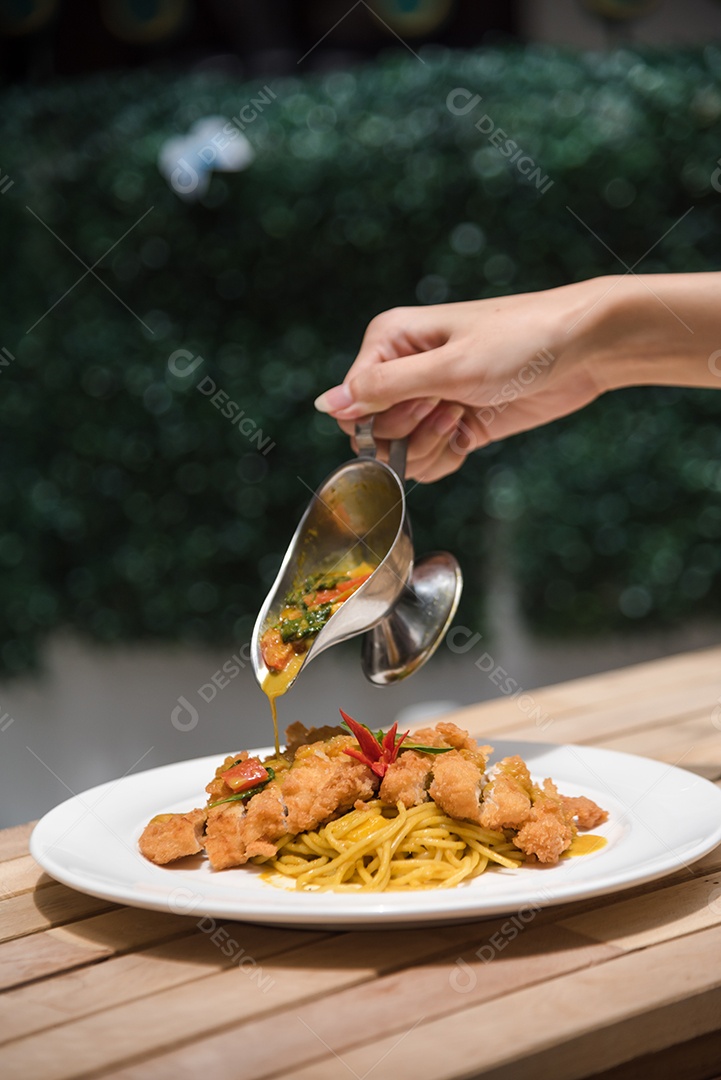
(454, 377)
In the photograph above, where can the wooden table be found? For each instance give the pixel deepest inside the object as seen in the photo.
(624, 986)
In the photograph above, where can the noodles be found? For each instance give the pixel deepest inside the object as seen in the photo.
(382, 847)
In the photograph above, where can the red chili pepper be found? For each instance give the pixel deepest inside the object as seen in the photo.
(245, 775)
(375, 753)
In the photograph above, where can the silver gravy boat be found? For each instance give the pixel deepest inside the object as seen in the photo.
(359, 514)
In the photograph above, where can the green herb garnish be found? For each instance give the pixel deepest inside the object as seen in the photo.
(310, 622)
(242, 795)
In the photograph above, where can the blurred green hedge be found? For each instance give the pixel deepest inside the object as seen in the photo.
(131, 507)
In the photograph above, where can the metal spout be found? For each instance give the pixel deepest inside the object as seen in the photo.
(359, 514)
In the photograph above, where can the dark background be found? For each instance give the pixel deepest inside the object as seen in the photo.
(265, 37)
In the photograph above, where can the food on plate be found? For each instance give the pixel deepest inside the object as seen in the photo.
(344, 808)
(168, 837)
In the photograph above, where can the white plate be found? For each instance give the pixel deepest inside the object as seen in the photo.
(661, 818)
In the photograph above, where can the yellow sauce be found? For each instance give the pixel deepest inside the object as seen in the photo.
(275, 685)
(585, 845)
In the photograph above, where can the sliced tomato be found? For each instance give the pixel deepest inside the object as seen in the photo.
(341, 591)
(245, 775)
(276, 653)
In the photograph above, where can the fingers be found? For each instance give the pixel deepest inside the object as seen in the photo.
(433, 433)
(413, 339)
(431, 441)
(436, 446)
(377, 387)
(445, 463)
(397, 422)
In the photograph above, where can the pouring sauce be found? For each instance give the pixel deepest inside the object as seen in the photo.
(306, 610)
(274, 685)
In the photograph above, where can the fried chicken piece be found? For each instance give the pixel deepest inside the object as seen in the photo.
(321, 783)
(549, 829)
(507, 796)
(544, 820)
(505, 804)
(172, 836)
(446, 733)
(324, 782)
(407, 779)
(236, 832)
(452, 780)
(456, 786)
(511, 800)
(587, 813)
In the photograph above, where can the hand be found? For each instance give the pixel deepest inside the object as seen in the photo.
(454, 377)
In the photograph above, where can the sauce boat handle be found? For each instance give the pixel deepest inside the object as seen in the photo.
(366, 444)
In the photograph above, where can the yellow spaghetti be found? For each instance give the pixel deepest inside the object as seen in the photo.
(382, 847)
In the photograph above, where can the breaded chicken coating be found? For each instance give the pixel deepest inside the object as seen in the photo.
(172, 836)
(512, 801)
(456, 786)
(407, 780)
(548, 830)
(507, 796)
(318, 781)
(586, 812)
(323, 782)
(446, 733)
(505, 804)
(236, 832)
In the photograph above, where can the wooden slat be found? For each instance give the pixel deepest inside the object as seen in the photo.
(509, 955)
(428, 990)
(692, 743)
(183, 1013)
(678, 979)
(85, 941)
(602, 1055)
(615, 701)
(14, 841)
(21, 875)
(658, 916)
(517, 720)
(140, 974)
(697, 1059)
(46, 907)
(683, 669)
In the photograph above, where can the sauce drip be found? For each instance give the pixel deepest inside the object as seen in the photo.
(584, 845)
(275, 685)
(302, 617)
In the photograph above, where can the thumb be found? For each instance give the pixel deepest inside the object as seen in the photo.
(379, 386)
